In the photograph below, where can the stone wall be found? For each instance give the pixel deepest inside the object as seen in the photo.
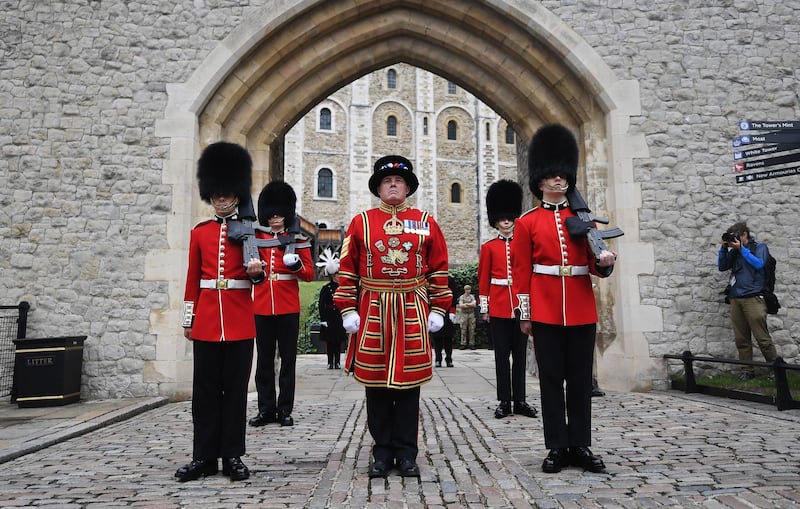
(702, 67)
(83, 84)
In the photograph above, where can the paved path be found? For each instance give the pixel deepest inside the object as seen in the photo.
(663, 449)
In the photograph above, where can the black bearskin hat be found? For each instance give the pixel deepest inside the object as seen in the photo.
(224, 168)
(553, 150)
(393, 165)
(503, 201)
(277, 199)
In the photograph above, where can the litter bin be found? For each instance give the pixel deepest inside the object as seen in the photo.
(47, 371)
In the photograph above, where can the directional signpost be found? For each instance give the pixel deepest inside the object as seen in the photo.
(782, 137)
(768, 149)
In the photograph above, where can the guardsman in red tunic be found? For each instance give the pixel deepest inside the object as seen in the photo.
(554, 290)
(277, 302)
(392, 293)
(496, 302)
(218, 317)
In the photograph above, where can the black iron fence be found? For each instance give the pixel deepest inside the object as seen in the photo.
(782, 398)
(13, 325)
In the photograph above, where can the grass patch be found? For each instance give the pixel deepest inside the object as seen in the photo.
(761, 384)
(309, 293)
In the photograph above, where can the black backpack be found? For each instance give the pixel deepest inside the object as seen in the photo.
(769, 272)
(773, 305)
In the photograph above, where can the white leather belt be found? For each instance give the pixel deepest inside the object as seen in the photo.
(561, 270)
(280, 277)
(501, 282)
(226, 284)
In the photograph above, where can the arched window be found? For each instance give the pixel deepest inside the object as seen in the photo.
(451, 88)
(424, 126)
(391, 126)
(452, 130)
(391, 78)
(488, 132)
(455, 193)
(325, 119)
(325, 183)
(509, 135)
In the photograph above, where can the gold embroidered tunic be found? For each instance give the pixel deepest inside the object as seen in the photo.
(393, 272)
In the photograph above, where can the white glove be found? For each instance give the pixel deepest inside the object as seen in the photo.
(351, 321)
(290, 259)
(323, 324)
(452, 317)
(435, 322)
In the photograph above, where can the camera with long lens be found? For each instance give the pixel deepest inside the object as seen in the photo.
(729, 237)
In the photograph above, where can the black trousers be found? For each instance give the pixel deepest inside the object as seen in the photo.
(564, 356)
(334, 339)
(334, 351)
(276, 332)
(443, 343)
(219, 397)
(509, 341)
(393, 422)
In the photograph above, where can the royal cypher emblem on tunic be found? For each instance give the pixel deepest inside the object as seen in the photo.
(394, 252)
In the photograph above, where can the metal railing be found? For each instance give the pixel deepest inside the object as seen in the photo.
(783, 396)
(13, 325)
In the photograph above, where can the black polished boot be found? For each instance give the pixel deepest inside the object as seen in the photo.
(285, 420)
(523, 408)
(235, 469)
(556, 460)
(197, 469)
(379, 468)
(263, 419)
(407, 468)
(503, 409)
(582, 457)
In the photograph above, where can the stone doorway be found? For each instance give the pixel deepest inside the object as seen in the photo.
(517, 57)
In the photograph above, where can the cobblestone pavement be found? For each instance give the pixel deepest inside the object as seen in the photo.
(662, 449)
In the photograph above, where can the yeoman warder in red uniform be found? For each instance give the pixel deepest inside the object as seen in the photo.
(392, 293)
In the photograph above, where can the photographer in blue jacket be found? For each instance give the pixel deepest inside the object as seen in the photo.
(745, 258)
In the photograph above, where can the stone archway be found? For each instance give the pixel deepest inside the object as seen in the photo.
(520, 60)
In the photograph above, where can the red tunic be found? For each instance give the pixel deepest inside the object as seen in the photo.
(220, 315)
(279, 294)
(393, 272)
(494, 278)
(541, 237)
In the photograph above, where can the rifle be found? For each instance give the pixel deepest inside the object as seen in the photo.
(244, 231)
(584, 224)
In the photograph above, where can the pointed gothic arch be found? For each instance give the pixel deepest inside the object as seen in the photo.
(521, 60)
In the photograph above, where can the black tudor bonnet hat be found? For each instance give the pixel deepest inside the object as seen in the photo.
(393, 165)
